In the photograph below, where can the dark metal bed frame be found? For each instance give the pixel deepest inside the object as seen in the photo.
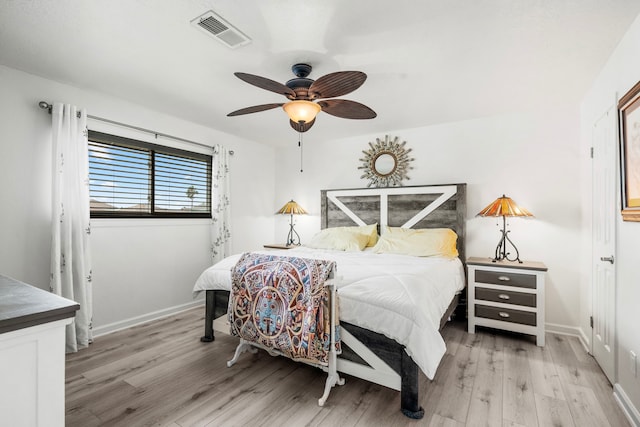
(394, 210)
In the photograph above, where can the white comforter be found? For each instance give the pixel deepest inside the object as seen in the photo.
(401, 297)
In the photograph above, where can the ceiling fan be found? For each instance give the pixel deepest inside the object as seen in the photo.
(302, 92)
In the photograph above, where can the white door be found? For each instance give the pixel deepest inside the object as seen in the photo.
(604, 211)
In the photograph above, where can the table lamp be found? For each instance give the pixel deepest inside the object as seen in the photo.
(292, 208)
(504, 207)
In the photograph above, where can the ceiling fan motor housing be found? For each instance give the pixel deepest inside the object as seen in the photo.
(300, 84)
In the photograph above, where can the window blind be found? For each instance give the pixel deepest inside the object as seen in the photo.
(130, 178)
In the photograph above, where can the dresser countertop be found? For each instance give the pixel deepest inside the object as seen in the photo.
(23, 306)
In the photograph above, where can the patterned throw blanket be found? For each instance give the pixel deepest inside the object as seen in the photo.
(281, 303)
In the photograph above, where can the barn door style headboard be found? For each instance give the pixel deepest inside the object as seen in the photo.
(432, 206)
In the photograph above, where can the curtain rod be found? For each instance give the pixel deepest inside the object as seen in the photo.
(47, 106)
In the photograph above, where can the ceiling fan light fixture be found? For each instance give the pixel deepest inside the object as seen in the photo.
(301, 111)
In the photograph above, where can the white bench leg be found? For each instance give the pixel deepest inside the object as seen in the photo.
(332, 380)
(241, 348)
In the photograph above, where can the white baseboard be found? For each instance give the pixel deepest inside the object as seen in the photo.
(630, 411)
(586, 342)
(155, 315)
(573, 331)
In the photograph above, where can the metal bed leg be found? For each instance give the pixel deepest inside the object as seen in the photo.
(409, 404)
(210, 304)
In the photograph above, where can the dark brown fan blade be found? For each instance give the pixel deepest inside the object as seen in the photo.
(266, 84)
(301, 127)
(347, 109)
(254, 109)
(336, 84)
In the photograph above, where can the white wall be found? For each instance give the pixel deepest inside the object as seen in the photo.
(531, 157)
(139, 266)
(621, 72)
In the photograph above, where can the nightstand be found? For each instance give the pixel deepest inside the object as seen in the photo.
(506, 295)
(279, 246)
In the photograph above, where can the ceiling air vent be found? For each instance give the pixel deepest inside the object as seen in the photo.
(214, 25)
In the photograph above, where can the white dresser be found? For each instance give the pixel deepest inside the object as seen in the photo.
(32, 354)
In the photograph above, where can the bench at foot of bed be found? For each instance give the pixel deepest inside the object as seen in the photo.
(388, 350)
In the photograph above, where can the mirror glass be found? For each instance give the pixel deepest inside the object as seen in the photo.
(384, 164)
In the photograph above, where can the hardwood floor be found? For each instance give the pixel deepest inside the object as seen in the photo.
(160, 373)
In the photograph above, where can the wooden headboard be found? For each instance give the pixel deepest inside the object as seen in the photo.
(432, 206)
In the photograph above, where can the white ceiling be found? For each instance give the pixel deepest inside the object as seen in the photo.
(428, 62)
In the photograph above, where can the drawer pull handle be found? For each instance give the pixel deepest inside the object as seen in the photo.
(504, 278)
(503, 314)
(504, 296)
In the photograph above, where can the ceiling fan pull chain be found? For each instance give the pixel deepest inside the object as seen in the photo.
(300, 145)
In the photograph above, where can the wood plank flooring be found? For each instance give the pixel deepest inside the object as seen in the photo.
(160, 374)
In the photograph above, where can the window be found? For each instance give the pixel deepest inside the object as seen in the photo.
(132, 179)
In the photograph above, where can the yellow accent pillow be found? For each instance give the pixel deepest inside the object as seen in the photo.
(340, 239)
(371, 231)
(420, 242)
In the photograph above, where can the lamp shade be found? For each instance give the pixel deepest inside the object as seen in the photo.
(291, 208)
(504, 206)
(301, 111)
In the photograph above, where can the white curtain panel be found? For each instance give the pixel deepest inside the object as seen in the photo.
(220, 205)
(70, 252)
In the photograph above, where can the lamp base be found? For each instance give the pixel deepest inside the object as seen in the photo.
(293, 238)
(501, 253)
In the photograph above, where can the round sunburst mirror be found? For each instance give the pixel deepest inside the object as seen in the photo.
(386, 162)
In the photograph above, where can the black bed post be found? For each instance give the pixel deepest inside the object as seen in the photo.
(208, 317)
(409, 391)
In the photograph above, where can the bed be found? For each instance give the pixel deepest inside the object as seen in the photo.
(386, 337)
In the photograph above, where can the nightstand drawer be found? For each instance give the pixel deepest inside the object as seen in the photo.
(506, 278)
(506, 315)
(506, 297)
